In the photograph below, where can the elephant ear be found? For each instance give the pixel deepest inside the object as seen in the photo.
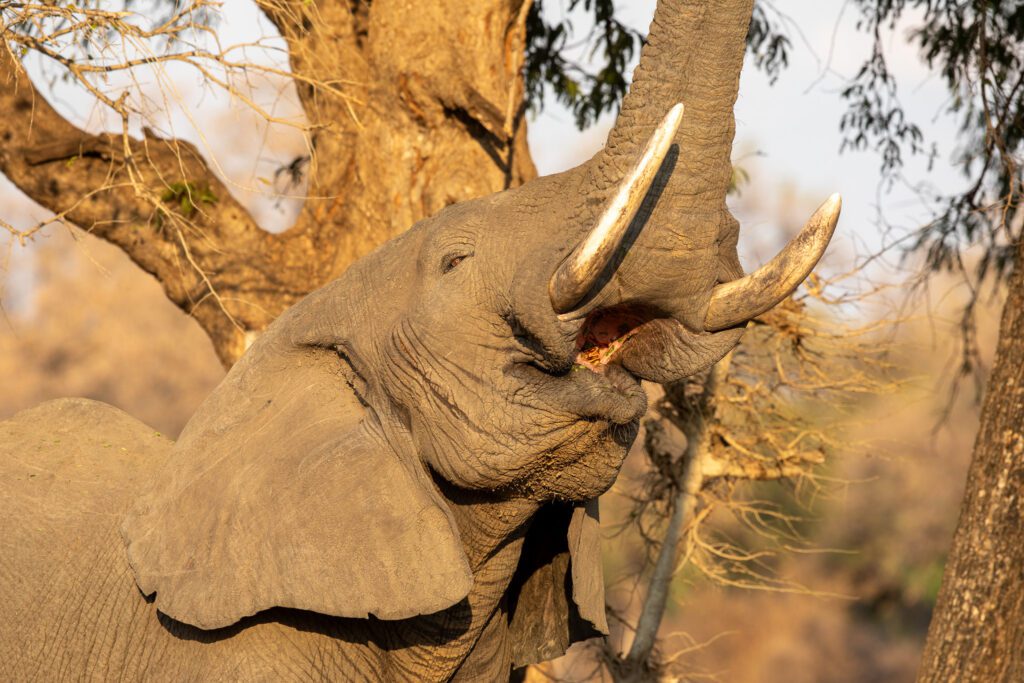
(283, 492)
(557, 595)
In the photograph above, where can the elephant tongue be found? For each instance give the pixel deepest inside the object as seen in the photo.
(604, 333)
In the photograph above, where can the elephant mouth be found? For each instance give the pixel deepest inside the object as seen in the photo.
(646, 343)
(606, 332)
(585, 381)
(617, 336)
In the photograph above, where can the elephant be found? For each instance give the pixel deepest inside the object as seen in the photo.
(399, 479)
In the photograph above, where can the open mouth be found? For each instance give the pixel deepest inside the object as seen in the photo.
(614, 350)
(605, 333)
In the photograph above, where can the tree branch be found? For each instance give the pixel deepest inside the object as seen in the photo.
(325, 52)
(400, 127)
(687, 483)
(155, 198)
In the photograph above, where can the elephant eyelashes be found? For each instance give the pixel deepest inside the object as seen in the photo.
(453, 260)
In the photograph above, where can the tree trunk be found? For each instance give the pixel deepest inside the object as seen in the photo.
(415, 105)
(977, 630)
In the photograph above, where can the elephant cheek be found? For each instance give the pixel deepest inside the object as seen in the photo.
(472, 458)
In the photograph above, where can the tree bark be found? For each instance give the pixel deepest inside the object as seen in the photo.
(425, 109)
(977, 630)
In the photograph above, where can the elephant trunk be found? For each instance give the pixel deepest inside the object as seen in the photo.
(693, 55)
(671, 297)
(683, 239)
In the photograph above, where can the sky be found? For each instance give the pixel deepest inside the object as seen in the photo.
(787, 134)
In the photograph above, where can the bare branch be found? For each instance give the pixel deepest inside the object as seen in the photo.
(687, 483)
(154, 198)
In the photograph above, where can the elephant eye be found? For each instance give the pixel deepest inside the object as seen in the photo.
(452, 260)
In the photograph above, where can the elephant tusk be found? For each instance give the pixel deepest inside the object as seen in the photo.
(734, 303)
(578, 274)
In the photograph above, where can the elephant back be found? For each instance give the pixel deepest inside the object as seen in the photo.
(68, 469)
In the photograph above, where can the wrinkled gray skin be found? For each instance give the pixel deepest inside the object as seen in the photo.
(397, 481)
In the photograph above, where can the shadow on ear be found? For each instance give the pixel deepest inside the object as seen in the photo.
(557, 595)
(283, 491)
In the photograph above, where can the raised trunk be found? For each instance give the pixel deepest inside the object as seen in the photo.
(977, 631)
(417, 106)
(694, 55)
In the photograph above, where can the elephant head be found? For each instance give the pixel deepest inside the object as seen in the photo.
(493, 351)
